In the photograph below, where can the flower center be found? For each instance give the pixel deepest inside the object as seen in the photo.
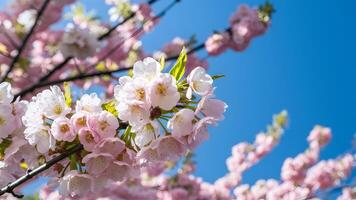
(81, 121)
(64, 128)
(88, 137)
(57, 109)
(140, 94)
(161, 89)
(103, 125)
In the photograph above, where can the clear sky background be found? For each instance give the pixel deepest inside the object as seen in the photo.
(305, 63)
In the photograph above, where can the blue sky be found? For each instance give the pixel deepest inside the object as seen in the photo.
(306, 63)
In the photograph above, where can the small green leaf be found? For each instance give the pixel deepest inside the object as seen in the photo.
(162, 61)
(3, 145)
(110, 107)
(73, 162)
(217, 76)
(130, 73)
(178, 69)
(126, 136)
(67, 94)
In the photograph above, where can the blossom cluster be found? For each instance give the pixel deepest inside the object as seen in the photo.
(48, 48)
(155, 117)
(245, 24)
(13, 146)
(303, 176)
(156, 184)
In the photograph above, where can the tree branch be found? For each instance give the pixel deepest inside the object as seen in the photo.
(100, 38)
(31, 173)
(42, 83)
(22, 47)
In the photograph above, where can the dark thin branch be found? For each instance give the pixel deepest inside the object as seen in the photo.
(32, 173)
(112, 29)
(103, 73)
(26, 39)
(100, 38)
(67, 60)
(42, 83)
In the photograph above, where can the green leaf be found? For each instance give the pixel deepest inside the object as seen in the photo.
(178, 69)
(217, 76)
(130, 73)
(67, 94)
(126, 136)
(110, 107)
(73, 162)
(3, 145)
(162, 61)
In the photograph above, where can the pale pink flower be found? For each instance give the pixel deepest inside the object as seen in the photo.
(320, 135)
(75, 185)
(118, 171)
(217, 43)
(96, 164)
(113, 146)
(182, 123)
(79, 120)
(88, 139)
(62, 129)
(104, 124)
(164, 148)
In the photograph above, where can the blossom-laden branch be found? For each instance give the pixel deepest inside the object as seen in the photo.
(94, 74)
(22, 47)
(32, 173)
(257, 24)
(69, 58)
(103, 148)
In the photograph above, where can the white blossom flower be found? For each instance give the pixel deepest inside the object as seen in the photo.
(181, 123)
(79, 43)
(199, 81)
(147, 69)
(52, 103)
(40, 138)
(164, 92)
(146, 133)
(134, 90)
(27, 18)
(89, 102)
(133, 112)
(5, 93)
(33, 116)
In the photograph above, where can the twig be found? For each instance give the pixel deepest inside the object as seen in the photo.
(65, 62)
(94, 74)
(31, 173)
(25, 40)
(42, 83)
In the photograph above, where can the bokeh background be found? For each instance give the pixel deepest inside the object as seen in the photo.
(305, 63)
